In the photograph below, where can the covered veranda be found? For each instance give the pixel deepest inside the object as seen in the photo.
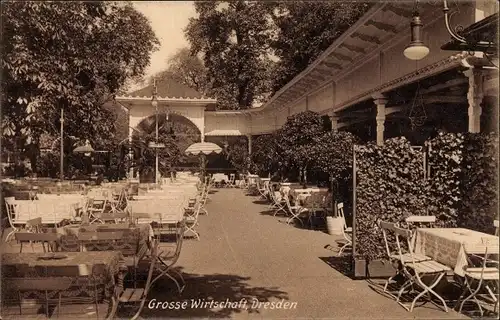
(363, 82)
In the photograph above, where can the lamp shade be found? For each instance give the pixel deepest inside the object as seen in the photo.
(416, 50)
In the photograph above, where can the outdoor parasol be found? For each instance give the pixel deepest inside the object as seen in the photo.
(203, 149)
(85, 149)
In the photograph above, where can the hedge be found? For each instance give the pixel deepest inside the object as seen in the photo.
(460, 190)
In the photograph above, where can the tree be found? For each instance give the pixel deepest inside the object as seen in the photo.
(188, 69)
(237, 153)
(304, 30)
(297, 138)
(266, 157)
(72, 56)
(333, 154)
(233, 38)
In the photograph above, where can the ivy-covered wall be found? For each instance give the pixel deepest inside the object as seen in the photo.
(457, 183)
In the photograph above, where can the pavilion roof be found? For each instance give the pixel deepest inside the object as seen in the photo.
(166, 88)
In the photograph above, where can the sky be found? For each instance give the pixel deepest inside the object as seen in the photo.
(168, 20)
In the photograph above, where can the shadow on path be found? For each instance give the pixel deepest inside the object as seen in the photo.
(200, 290)
(342, 264)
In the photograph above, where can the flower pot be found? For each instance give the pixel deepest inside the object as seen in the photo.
(334, 225)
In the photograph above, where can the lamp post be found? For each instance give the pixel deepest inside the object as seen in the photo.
(154, 103)
(61, 163)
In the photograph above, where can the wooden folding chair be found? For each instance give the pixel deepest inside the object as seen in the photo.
(478, 279)
(415, 222)
(91, 279)
(294, 210)
(138, 295)
(43, 284)
(15, 224)
(394, 256)
(278, 203)
(101, 241)
(42, 238)
(191, 219)
(346, 231)
(167, 261)
(414, 271)
(262, 188)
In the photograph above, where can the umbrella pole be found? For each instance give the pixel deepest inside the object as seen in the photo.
(203, 165)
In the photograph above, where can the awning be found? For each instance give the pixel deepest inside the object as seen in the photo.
(222, 132)
(485, 30)
(203, 148)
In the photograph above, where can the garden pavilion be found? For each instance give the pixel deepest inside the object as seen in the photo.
(363, 82)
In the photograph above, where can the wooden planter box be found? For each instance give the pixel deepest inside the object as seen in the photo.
(374, 269)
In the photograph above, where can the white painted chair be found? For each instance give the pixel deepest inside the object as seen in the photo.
(294, 209)
(395, 258)
(485, 277)
(346, 231)
(413, 270)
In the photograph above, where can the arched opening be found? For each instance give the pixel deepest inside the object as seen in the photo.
(175, 133)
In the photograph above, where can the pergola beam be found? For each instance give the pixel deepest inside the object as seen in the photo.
(445, 85)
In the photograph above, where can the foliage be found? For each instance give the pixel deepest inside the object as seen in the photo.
(237, 153)
(73, 56)
(297, 138)
(48, 165)
(267, 156)
(233, 37)
(188, 69)
(479, 182)
(306, 29)
(390, 187)
(461, 190)
(333, 154)
(445, 159)
(177, 133)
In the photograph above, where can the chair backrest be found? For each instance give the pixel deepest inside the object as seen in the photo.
(398, 233)
(484, 251)
(34, 225)
(152, 266)
(421, 219)
(286, 195)
(38, 284)
(31, 236)
(96, 236)
(179, 234)
(340, 212)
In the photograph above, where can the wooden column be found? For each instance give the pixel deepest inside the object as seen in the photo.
(335, 122)
(130, 153)
(380, 101)
(249, 137)
(475, 97)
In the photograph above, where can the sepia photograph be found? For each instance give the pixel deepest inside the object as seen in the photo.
(333, 159)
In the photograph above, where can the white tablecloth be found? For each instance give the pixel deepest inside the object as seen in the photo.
(444, 245)
(51, 212)
(158, 210)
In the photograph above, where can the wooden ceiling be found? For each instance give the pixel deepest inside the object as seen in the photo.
(378, 26)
